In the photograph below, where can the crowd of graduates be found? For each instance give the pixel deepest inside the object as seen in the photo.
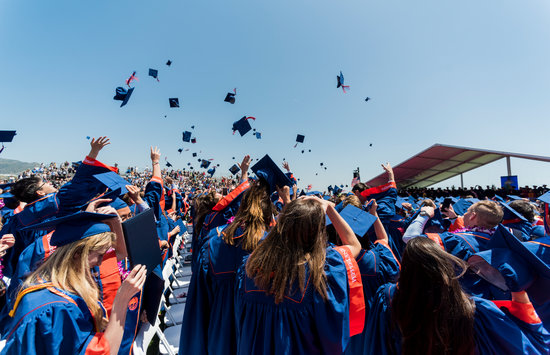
(275, 270)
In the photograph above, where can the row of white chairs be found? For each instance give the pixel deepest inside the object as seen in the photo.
(177, 275)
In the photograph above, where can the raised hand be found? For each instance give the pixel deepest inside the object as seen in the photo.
(97, 145)
(155, 154)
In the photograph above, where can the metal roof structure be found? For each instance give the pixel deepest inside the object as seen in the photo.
(441, 162)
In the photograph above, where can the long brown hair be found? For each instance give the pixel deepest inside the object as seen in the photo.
(68, 269)
(298, 239)
(432, 311)
(254, 216)
(203, 206)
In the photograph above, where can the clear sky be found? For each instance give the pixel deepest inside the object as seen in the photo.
(470, 73)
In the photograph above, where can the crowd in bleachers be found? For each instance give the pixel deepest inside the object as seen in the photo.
(272, 269)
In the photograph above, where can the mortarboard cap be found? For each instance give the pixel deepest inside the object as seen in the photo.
(205, 163)
(193, 140)
(154, 73)
(174, 102)
(6, 186)
(168, 165)
(258, 135)
(511, 215)
(123, 95)
(169, 62)
(186, 136)
(242, 125)
(6, 136)
(194, 154)
(113, 181)
(74, 227)
(230, 97)
(359, 220)
(180, 150)
(300, 138)
(234, 169)
(340, 80)
(545, 197)
(268, 170)
(462, 205)
(534, 254)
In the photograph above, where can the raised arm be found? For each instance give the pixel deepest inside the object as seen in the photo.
(155, 161)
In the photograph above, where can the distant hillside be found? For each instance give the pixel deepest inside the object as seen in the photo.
(10, 166)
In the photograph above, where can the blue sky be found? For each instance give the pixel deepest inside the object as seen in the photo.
(473, 73)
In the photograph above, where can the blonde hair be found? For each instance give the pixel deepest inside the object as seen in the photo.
(68, 269)
(490, 213)
(352, 200)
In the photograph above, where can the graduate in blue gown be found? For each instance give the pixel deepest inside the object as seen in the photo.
(45, 202)
(58, 310)
(295, 294)
(378, 266)
(209, 311)
(428, 312)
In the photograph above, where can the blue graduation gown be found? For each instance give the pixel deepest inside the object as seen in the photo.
(303, 323)
(385, 196)
(226, 208)
(70, 198)
(500, 327)
(378, 266)
(52, 321)
(463, 244)
(209, 310)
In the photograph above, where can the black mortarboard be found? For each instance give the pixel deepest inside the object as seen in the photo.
(303, 151)
(233, 157)
(310, 150)
(268, 170)
(234, 169)
(193, 140)
(169, 62)
(186, 136)
(180, 150)
(168, 165)
(230, 97)
(154, 73)
(242, 125)
(217, 165)
(6, 136)
(142, 241)
(300, 138)
(194, 154)
(199, 160)
(370, 145)
(123, 95)
(321, 164)
(174, 102)
(367, 99)
(188, 163)
(205, 163)
(340, 80)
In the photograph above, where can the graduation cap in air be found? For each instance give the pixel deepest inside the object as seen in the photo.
(340, 82)
(194, 154)
(299, 139)
(154, 73)
(193, 140)
(359, 220)
(169, 62)
(188, 164)
(230, 97)
(211, 171)
(174, 102)
(6, 137)
(180, 150)
(186, 136)
(242, 125)
(513, 265)
(267, 169)
(168, 165)
(113, 181)
(123, 95)
(234, 169)
(303, 151)
(321, 164)
(367, 99)
(74, 227)
(205, 164)
(370, 145)
(258, 135)
(233, 157)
